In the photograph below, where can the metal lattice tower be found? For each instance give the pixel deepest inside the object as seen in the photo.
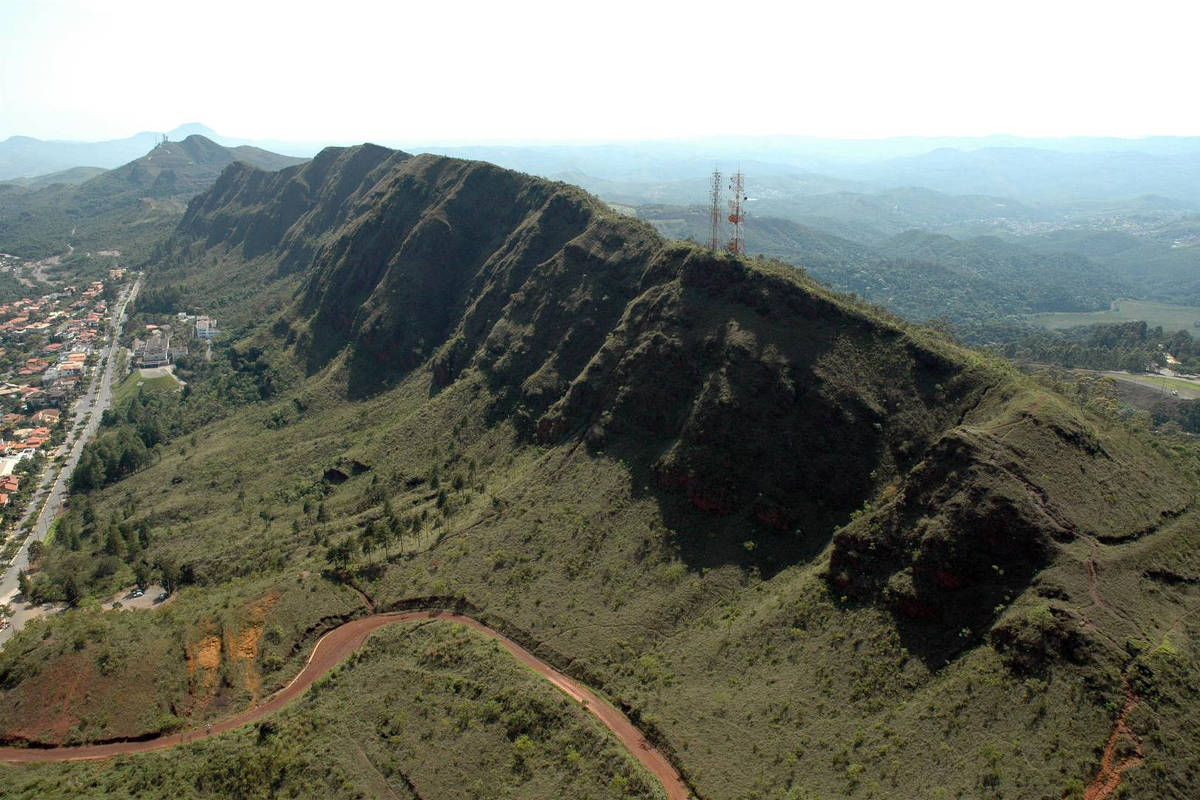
(737, 213)
(714, 241)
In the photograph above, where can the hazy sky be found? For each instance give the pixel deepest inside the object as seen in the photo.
(447, 71)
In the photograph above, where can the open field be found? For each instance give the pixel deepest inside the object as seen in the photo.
(157, 380)
(1170, 317)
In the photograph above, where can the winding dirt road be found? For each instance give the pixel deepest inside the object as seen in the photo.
(335, 646)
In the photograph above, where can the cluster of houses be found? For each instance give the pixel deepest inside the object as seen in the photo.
(45, 345)
(9, 485)
(53, 335)
(21, 436)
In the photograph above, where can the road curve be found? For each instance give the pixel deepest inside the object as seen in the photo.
(335, 646)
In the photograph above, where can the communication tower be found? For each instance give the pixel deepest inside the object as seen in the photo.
(737, 213)
(714, 241)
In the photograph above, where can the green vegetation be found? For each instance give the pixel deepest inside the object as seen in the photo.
(1130, 346)
(805, 544)
(148, 413)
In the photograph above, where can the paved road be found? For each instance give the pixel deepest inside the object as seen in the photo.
(334, 647)
(89, 407)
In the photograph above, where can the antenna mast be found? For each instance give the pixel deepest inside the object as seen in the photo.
(737, 214)
(714, 241)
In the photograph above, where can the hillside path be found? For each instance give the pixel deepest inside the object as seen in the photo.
(335, 646)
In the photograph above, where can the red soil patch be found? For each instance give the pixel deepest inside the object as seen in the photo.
(1109, 777)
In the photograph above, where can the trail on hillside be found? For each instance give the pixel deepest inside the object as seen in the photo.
(1109, 776)
(339, 643)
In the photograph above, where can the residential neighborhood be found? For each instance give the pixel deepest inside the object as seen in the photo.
(48, 346)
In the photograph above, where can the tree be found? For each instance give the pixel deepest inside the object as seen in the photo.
(71, 590)
(341, 554)
(25, 585)
(112, 542)
(36, 548)
(141, 574)
(387, 528)
(89, 472)
(375, 494)
(322, 514)
(367, 540)
(169, 571)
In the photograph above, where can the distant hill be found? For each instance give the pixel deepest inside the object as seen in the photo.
(73, 177)
(27, 157)
(847, 209)
(126, 208)
(24, 156)
(1049, 280)
(1162, 263)
(871, 217)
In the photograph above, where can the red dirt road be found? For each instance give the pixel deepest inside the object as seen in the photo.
(335, 646)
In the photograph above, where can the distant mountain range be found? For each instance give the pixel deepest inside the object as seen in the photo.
(1041, 172)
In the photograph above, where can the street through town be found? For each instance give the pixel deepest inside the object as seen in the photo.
(55, 481)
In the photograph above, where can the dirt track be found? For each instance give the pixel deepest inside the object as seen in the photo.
(330, 650)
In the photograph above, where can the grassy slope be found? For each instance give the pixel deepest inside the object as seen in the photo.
(134, 381)
(720, 632)
(663, 637)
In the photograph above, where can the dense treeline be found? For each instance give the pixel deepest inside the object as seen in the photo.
(1131, 346)
(87, 551)
(1184, 413)
(159, 300)
(112, 456)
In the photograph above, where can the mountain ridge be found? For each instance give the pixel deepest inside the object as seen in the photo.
(788, 531)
